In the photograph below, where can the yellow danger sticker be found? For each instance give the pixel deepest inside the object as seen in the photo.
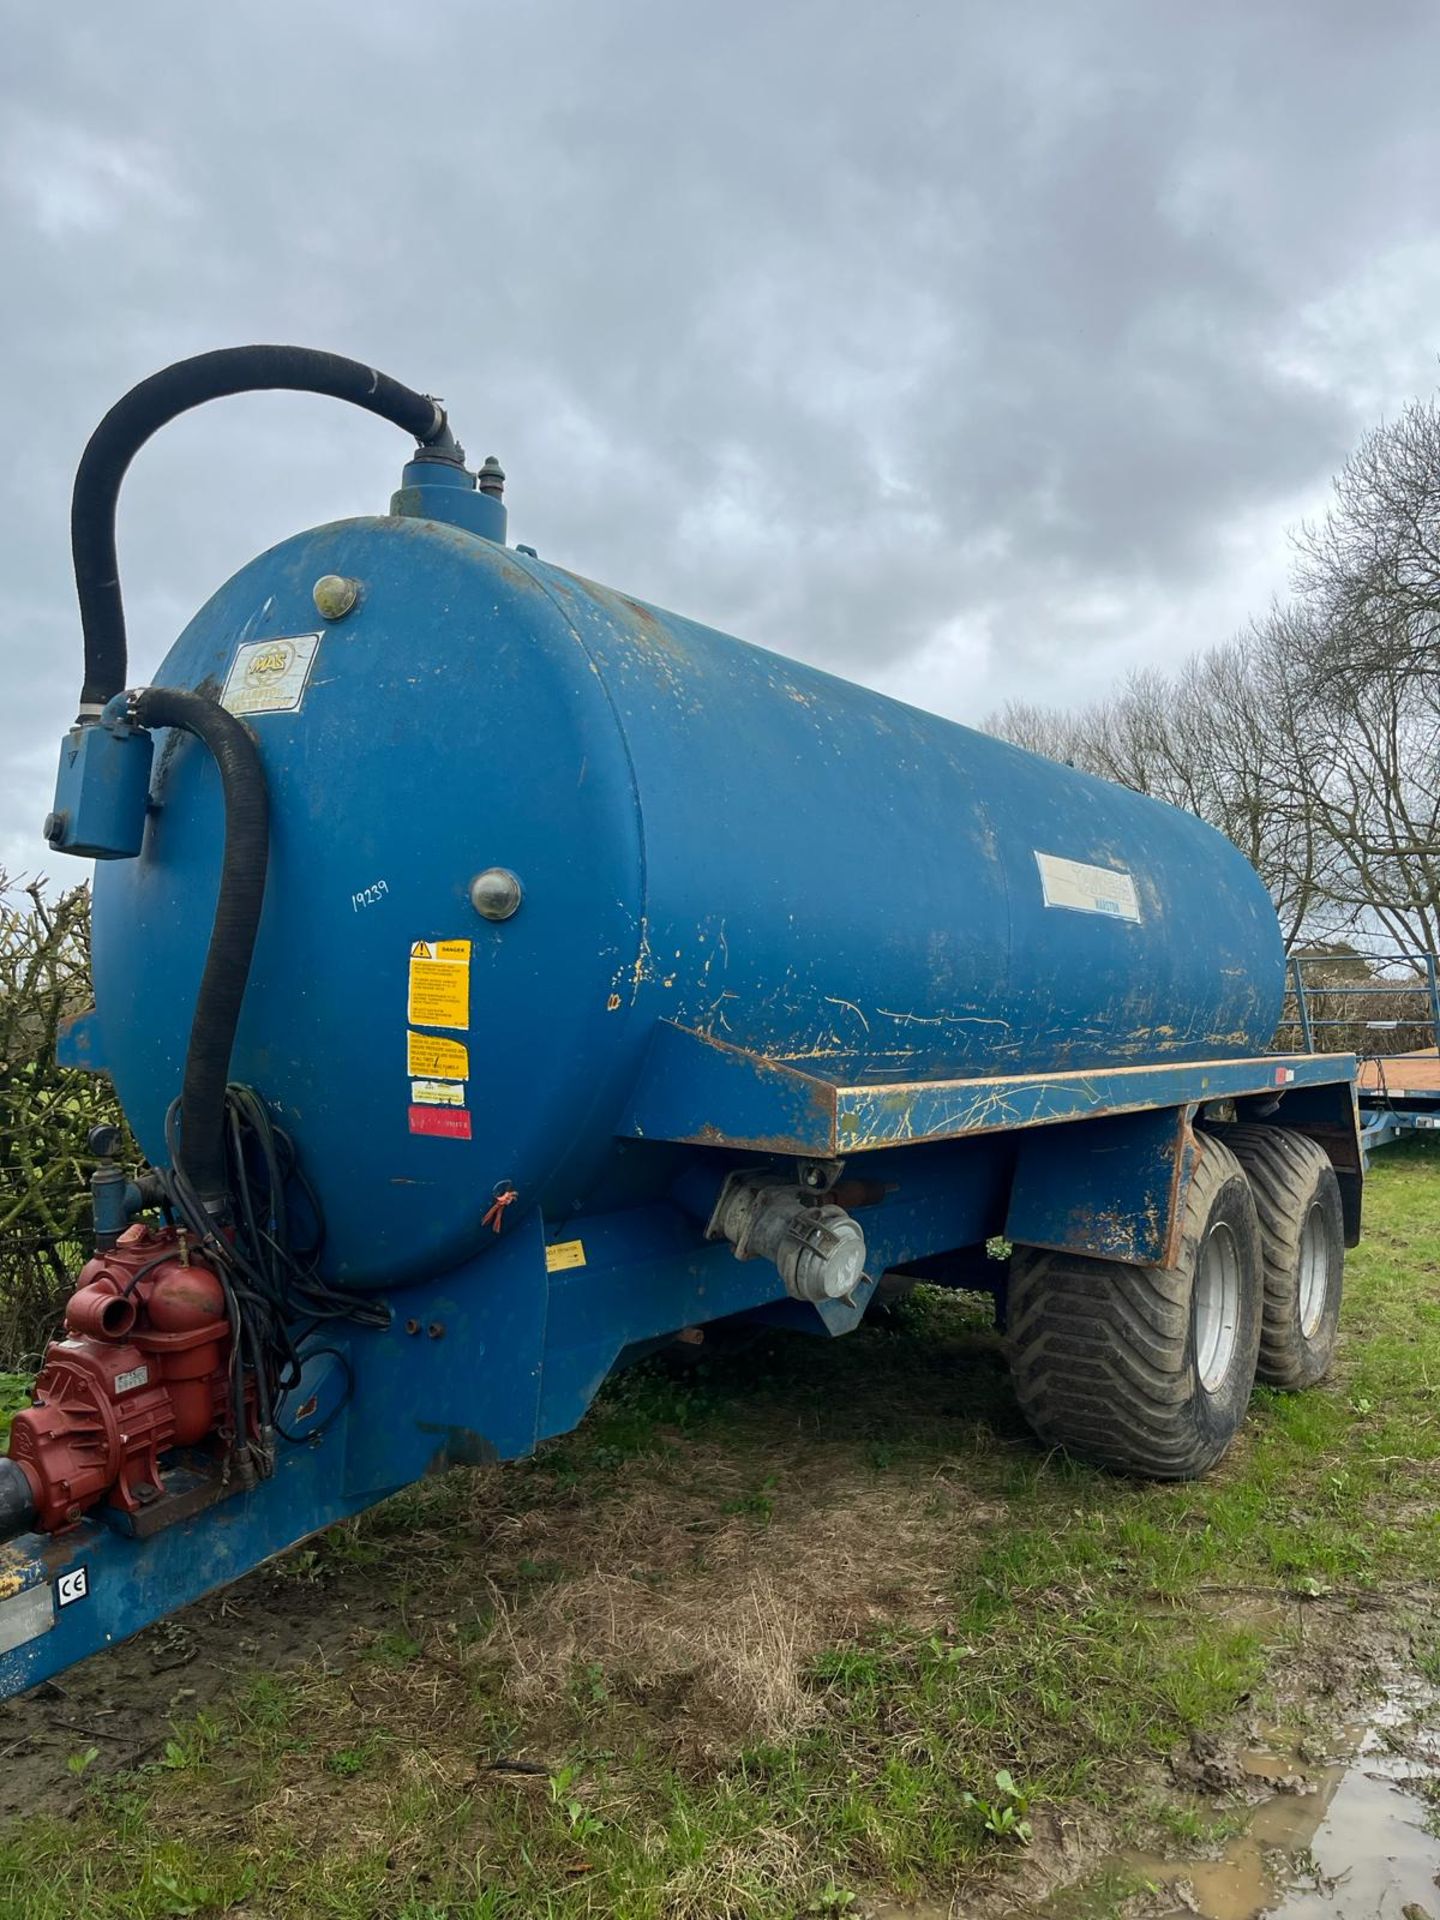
(441, 950)
(440, 983)
(428, 1057)
(564, 1253)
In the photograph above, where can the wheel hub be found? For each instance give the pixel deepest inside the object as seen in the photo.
(1217, 1306)
(1314, 1271)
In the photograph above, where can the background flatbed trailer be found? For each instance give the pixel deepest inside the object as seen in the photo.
(1398, 1092)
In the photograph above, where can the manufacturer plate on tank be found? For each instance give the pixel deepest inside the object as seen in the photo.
(269, 676)
(1086, 889)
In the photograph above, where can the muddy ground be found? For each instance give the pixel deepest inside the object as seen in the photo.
(1346, 1748)
(759, 1640)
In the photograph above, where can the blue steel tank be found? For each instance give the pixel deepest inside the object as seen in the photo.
(699, 831)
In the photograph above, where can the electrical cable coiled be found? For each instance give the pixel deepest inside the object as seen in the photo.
(268, 1264)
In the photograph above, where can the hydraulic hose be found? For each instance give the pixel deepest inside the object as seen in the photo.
(232, 935)
(162, 398)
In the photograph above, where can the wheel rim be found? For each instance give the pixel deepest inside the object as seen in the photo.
(1314, 1271)
(1217, 1305)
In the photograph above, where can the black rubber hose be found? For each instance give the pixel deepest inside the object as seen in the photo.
(161, 398)
(232, 936)
(17, 1501)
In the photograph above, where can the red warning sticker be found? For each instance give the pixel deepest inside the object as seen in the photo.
(450, 1123)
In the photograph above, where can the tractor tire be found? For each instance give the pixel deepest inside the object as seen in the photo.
(1147, 1370)
(1302, 1238)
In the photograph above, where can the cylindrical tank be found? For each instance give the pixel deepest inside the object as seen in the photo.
(703, 832)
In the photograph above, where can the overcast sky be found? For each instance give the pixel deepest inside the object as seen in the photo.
(972, 351)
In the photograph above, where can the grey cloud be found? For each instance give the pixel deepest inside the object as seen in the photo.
(957, 348)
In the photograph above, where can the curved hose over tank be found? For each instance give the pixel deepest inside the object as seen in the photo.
(164, 397)
(107, 456)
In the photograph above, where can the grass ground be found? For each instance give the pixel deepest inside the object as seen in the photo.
(759, 1642)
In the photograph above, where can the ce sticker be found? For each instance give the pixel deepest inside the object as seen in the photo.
(72, 1586)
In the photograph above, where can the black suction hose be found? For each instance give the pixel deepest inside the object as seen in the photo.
(162, 398)
(17, 1499)
(112, 446)
(232, 936)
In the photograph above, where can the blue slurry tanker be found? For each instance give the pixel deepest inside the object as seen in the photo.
(503, 977)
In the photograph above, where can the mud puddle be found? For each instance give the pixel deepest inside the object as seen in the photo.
(1347, 1836)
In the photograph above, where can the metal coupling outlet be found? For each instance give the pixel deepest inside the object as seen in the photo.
(818, 1251)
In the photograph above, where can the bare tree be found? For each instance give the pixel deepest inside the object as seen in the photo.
(1373, 562)
(1218, 739)
(1313, 739)
(1372, 735)
(1045, 730)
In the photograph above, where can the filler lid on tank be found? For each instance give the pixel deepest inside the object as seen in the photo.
(440, 490)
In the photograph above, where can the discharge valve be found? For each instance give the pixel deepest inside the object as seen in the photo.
(817, 1248)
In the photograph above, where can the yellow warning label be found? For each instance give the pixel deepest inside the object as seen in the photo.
(440, 983)
(441, 950)
(437, 1093)
(428, 1057)
(564, 1253)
